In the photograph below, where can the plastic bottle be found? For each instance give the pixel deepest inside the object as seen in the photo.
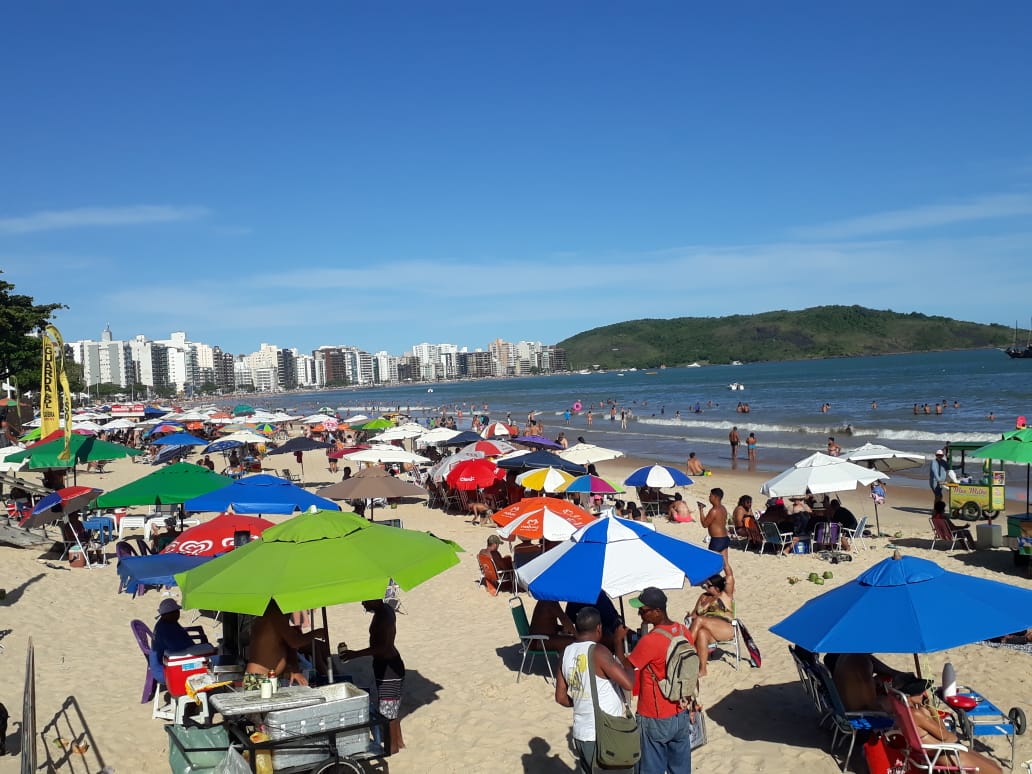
(262, 758)
(949, 680)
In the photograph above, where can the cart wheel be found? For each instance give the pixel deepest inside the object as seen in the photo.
(343, 766)
(966, 727)
(1017, 717)
(971, 511)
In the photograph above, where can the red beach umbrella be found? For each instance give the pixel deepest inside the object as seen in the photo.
(216, 536)
(67, 500)
(474, 474)
(541, 517)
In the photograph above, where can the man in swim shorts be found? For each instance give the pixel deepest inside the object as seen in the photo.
(734, 440)
(715, 522)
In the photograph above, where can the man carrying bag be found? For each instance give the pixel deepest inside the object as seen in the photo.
(592, 681)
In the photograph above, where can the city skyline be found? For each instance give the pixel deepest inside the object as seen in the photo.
(345, 172)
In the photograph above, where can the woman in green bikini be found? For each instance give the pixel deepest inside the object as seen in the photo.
(712, 615)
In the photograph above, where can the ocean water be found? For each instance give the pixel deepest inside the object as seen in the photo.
(785, 400)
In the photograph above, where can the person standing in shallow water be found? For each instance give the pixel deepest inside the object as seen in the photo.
(734, 440)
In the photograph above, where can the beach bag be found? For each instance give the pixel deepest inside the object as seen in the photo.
(617, 741)
(682, 668)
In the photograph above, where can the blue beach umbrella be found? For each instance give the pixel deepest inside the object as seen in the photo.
(907, 605)
(617, 556)
(221, 446)
(260, 494)
(155, 570)
(180, 439)
(658, 477)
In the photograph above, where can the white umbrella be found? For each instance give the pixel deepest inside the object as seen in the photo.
(436, 436)
(11, 466)
(120, 424)
(819, 474)
(589, 453)
(443, 468)
(89, 427)
(244, 436)
(385, 454)
(355, 419)
(400, 433)
(878, 457)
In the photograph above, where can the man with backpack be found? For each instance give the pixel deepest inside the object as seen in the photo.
(665, 668)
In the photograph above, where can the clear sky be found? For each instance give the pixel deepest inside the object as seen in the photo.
(382, 174)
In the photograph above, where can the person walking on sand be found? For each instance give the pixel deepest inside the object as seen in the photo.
(572, 688)
(715, 522)
(937, 473)
(734, 440)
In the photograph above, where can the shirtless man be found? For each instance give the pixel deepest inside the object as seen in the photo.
(274, 646)
(679, 510)
(694, 467)
(715, 522)
(734, 440)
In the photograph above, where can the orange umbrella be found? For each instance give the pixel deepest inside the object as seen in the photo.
(541, 517)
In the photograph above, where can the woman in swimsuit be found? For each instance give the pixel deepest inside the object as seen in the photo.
(931, 730)
(712, 615)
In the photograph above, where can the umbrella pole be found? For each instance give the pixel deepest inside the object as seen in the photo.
(329, 656)
(917, 664)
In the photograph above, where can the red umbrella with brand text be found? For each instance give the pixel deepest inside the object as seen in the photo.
(474, 474)
(218, 535)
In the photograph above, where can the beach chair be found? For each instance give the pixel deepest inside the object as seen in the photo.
(532, 645)
(392, 596)
(130, 522)
(771, 536)
(292, 477)
(724, 646)
(808, 679)
(920, 755)
(153, 688)
(70, 541)
(845, 723)
(122, 550)
(856, 536)
(735, 534)
(941, 530)
(827, 536)
(492, 578)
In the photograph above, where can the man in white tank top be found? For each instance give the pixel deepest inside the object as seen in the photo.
(573, 690)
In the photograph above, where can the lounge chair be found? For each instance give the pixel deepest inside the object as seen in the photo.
(827, 536)
(855, 536)
(921, 755)
(941, 530)
(532, 645)
(772, 536)
(492, 578)
(292, 477)
(845, 723)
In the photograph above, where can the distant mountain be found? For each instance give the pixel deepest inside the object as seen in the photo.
(822, 331)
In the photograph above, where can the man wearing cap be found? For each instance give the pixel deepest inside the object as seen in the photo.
(169, 636)
(937, 473)
(666, 746)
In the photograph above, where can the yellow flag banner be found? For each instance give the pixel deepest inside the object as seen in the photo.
(53, 376)
(49, 408)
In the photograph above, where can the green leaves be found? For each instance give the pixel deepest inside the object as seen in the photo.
(20, 353)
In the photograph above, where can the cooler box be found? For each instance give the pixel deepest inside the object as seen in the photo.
(988, 536)
(802, 547)
(345, 705)
(179, 666)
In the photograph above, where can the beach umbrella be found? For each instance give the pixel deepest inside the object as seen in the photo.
(84, 448)
(316, 560)
(216, 536)
(167, 486)
(497, 430)
(541, 517)
(373, 424)
(165, 427)
(243, 436)
(370, 484)
(820, 474)
(592, 485)
(916, 602)
(386, 454)
(878, 457)
(180, 439)
(259, 494)
(657, 477)
(589, 454)
(462, 438)
(438, 436)
(544, 480)
(474, 474)
(10, 467)
(490, 448)
(67, 500)
(619, 557)
(541, 459)
(439, 471)
(331, 424)
(242, 409)
(1016, 446)
(222, 445)
(400, 433)
(120, 424)
(338, 452)
(138, 572)
(537, 442)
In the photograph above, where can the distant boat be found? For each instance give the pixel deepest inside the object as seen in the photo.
(736, 386)
(693, 365)
(621, 374)
(1020, 352)
(429, 389)
(736, 362)
(584, 371)
(632, 369)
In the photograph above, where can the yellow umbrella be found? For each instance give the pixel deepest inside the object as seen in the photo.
(544, 479)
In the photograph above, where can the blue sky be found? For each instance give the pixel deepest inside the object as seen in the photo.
(382, 174)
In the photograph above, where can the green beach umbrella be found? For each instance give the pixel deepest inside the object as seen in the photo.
(242, 409)
(83, 448)
(166, 486)
(374, 424)
(315, 559)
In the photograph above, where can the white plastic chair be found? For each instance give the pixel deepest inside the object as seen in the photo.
(856, 536)
(130, 522)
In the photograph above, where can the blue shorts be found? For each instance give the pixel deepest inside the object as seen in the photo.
(719, 544)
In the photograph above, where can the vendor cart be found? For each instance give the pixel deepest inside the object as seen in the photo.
(977, 716)
(974, 501)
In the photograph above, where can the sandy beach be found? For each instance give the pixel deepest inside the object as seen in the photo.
(463, 709)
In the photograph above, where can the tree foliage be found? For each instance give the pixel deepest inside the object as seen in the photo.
(20, 353)
(818, 332)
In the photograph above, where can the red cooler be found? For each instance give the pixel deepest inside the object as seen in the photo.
(179, 666)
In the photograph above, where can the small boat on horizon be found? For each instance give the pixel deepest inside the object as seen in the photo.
(1015, 351)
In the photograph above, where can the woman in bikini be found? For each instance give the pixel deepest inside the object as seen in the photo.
(712, 615)
(931, 730)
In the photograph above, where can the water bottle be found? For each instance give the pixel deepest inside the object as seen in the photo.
(949, 680)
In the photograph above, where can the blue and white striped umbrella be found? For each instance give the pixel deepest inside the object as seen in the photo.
(617, 556)
(658, 477)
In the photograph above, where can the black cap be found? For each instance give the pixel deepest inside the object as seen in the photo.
(650, 597)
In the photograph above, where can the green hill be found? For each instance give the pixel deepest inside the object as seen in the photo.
(822, 331)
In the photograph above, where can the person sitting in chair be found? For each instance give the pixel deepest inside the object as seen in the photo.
(500, 562)
(931, 730)
(712, 615)
(939, 514)
(169, 637)
(549, 620)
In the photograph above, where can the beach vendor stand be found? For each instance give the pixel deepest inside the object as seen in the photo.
(981, 496)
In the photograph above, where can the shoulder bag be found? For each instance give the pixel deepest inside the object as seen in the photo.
(617, 741)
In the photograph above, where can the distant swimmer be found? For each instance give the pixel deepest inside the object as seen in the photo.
(991, 417)
(917, 410)
(834, 450)
(874, 405)
(956, 404)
